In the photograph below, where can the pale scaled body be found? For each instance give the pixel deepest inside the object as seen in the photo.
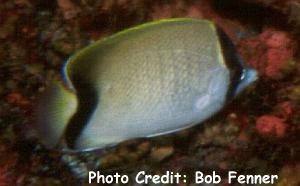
(146, 81)
(174, 80)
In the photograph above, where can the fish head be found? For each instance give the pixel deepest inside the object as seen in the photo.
(241, 74)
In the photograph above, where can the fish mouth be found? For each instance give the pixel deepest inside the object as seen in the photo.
(248, 76)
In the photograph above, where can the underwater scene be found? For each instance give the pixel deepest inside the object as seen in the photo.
(149, 92)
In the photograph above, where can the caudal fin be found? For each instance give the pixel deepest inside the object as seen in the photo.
(55, 108)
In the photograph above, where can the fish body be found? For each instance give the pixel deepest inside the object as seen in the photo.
(146, 81)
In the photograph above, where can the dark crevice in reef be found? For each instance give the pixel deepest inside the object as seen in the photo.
(251, 13)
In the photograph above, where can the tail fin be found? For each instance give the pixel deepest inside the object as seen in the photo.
(55, 108)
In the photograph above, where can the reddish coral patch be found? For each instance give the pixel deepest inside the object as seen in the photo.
(284, 109)
(269, 52)
(277, 58)
(7, 166)
(17, 99)
(269, 125)
(278, 39)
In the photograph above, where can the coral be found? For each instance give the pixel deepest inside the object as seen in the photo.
(294, 94)
(269, 125)
(17, 99)
(277, 58)
(4, 176)
(68, 8)
(271, 52)
(7, 166)
(159, 154)
(289, 175)
(284, 109)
